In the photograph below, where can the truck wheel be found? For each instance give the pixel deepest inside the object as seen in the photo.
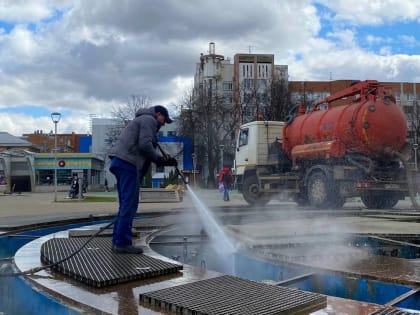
(318, 190)
(390, 201)
(252, 194)
(380, 200)
(301, 199)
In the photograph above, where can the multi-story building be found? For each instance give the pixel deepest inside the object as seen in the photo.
(243, 89)
(255, 76)
(245, 85)
(66, 143)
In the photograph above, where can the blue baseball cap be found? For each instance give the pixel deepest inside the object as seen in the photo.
(161, 109)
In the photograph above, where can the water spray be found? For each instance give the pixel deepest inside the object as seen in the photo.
(225, 245)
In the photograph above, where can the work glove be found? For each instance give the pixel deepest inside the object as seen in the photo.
(167, 161)
(171, 162)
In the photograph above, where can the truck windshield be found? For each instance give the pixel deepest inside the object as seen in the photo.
(243, 137)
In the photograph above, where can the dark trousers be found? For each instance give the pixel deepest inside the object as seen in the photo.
(128, 186)
(226, 192)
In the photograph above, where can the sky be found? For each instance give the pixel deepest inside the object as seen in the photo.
(86, 58)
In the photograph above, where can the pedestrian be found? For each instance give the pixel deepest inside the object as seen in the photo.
(106, 185)
(134, 151)
(74, 187)
(226, 178)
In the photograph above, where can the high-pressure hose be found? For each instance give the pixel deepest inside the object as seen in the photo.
(37, 269)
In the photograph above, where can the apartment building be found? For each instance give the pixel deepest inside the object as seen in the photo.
(245, 85)
(66, 143)
(244, 88)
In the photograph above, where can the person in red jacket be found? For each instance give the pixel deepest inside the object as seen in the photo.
(226, 178)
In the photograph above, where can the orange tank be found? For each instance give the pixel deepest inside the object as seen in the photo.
(369, 123)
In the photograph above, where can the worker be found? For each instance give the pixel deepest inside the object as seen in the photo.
(131, 157)
(276, 154)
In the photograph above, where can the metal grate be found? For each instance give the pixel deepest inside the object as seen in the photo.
(231, 295)
(96, 264)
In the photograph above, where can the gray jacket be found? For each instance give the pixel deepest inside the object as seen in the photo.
(138, 140)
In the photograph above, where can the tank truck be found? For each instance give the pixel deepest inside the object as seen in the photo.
(350, 144)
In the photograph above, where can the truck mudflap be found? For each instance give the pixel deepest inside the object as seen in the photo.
(400, 186)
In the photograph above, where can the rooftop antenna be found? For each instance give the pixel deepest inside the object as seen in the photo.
(249, 48)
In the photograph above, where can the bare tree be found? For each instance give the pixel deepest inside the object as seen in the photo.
(246, 102)
(207, 118)
(268, 100)
(280, 102)
(123, 114)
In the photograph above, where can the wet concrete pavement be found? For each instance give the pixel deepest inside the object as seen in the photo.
(255, 228)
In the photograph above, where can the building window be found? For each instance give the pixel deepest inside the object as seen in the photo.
(263, 84)
(247, 98)
(172, 133)
(248, 83)
(227, 86)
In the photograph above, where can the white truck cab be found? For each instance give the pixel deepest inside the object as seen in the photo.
(253, 141)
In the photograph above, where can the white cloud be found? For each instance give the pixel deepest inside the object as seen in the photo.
(409, 40)
(18, 124)
(374, 12)
(97, 53)
(374, 40)
(22, 11)
(385, 51)
(21, 45)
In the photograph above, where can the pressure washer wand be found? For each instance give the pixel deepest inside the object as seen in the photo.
(178, 172)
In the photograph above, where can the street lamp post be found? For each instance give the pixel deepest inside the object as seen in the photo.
(55, 118)
(415, 147)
